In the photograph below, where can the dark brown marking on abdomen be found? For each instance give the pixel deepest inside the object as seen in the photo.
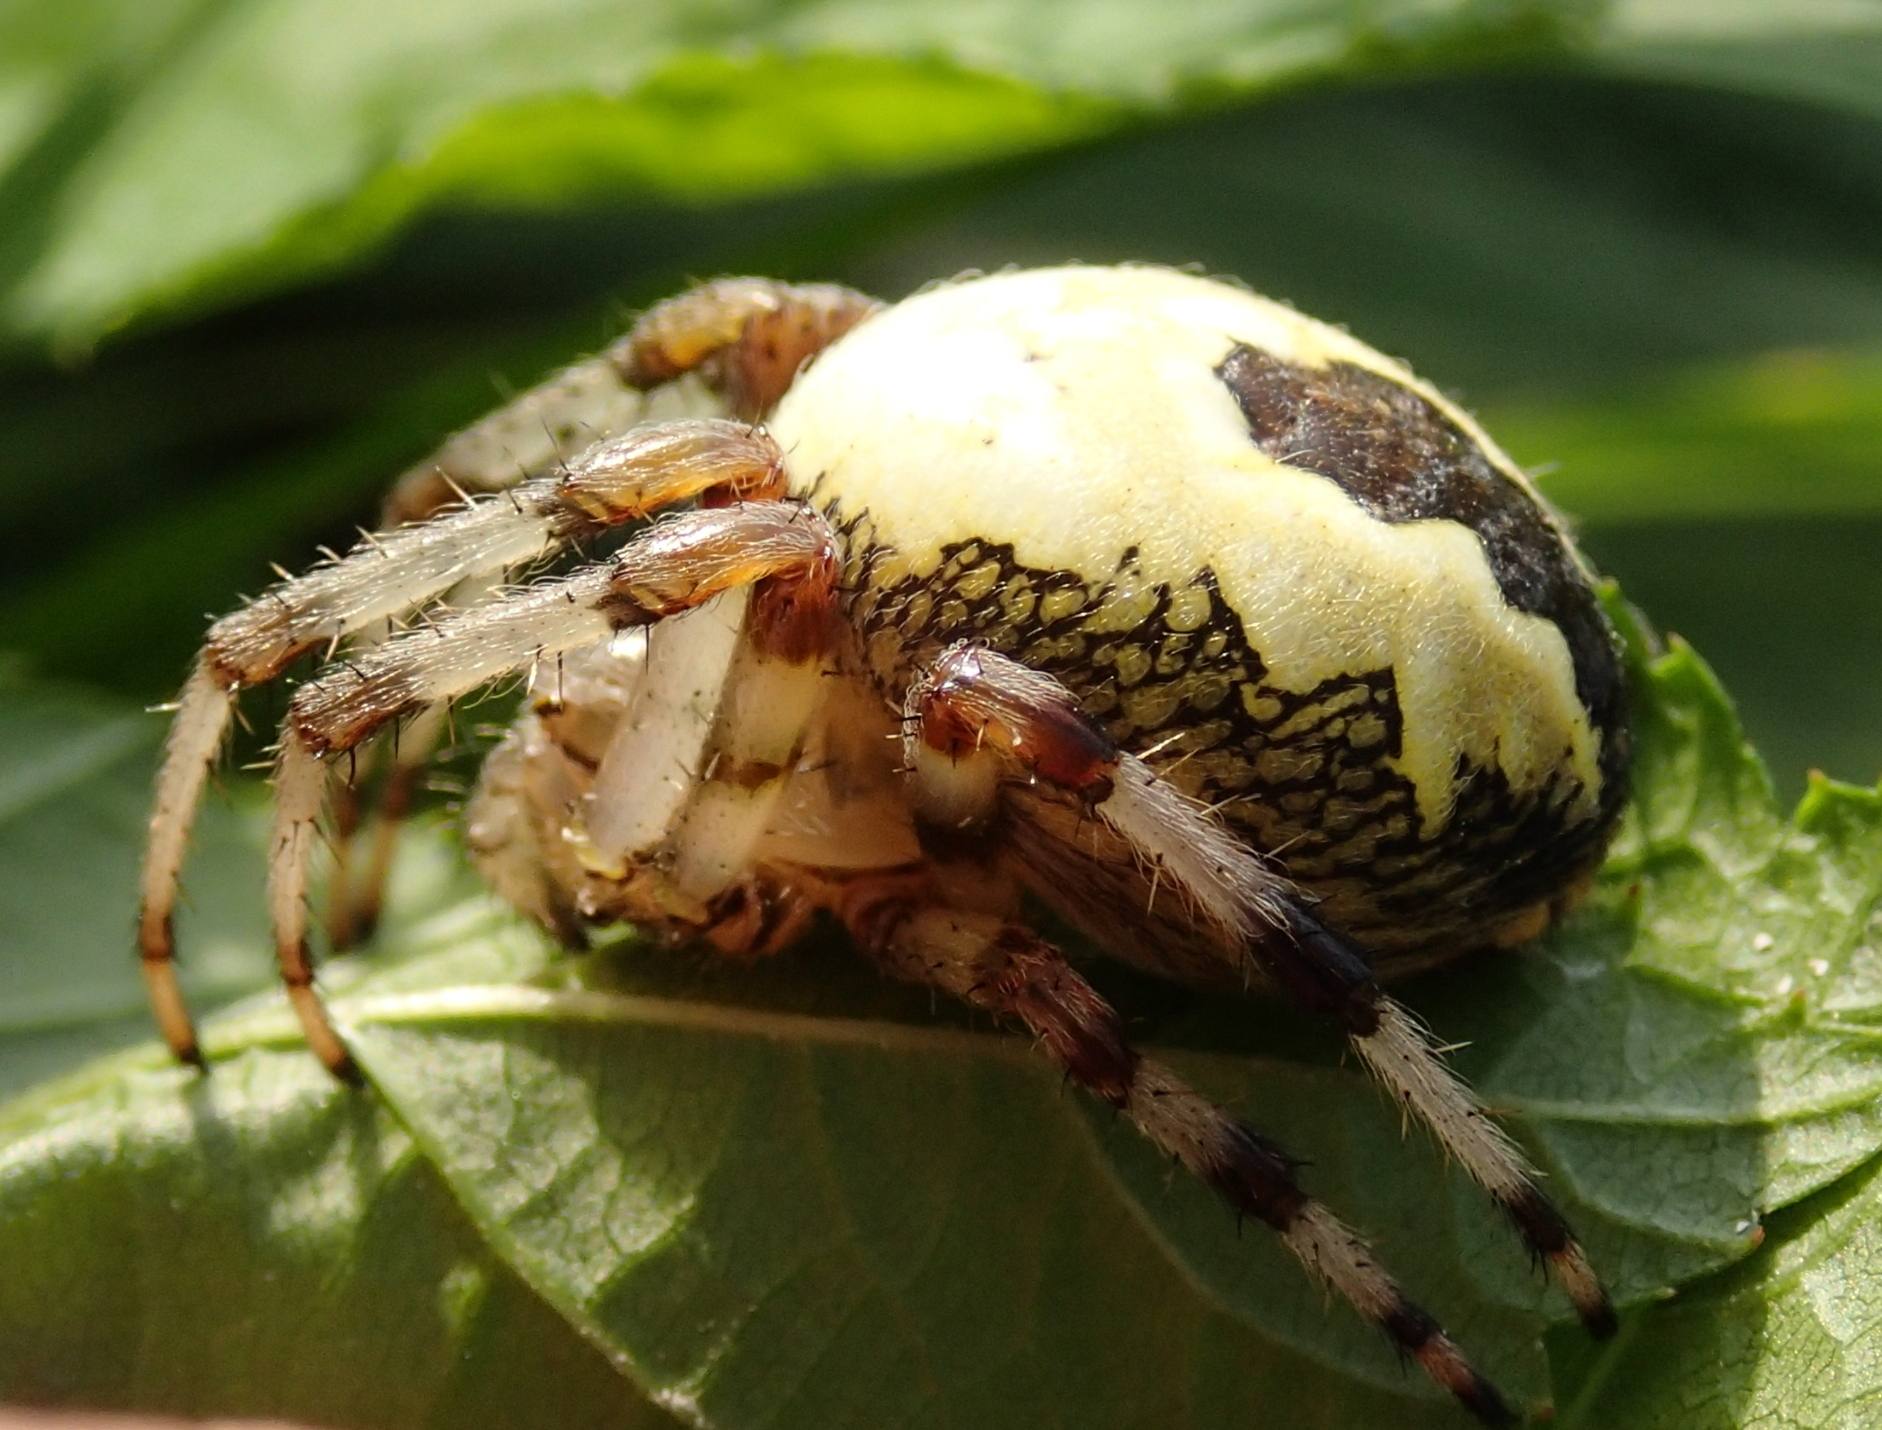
(1402, 459)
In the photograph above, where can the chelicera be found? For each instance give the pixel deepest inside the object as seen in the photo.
(1201, 623)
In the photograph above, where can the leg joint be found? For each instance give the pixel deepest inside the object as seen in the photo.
(973, 698)
(1254, 1176)
(1322, 970)
(747, 337)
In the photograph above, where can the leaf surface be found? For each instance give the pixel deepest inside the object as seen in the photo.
(1787, 1340)
(255, 1245)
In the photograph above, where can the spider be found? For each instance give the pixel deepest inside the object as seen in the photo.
(1223, 637)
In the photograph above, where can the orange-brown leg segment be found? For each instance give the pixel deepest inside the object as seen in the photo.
(747, 337)
(1010, 972)
(976, 718)
(386, 576)
(673, 566)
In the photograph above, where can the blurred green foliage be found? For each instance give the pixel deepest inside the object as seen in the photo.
(256, 255)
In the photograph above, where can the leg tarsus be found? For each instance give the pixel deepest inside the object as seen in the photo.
(300, 792)
(173, 1018)
(196, 734)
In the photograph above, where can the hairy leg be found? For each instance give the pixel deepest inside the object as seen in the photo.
(674, 566)
(1008, 971)
(614, 482)
(977, 718)
(388, 772)
(355, 887)
(527, 812)
(760, 715)
(745, 338)
(697, 755)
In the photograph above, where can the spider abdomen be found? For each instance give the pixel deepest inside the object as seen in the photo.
(1261, 554)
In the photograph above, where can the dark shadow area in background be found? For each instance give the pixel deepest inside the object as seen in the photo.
(1789, 612)
(1517, 235)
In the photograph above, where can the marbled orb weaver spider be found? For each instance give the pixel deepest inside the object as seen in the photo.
(1209, 627)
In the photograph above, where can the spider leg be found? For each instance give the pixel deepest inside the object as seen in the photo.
(648, 793)
(977, 707)
(760, 698)
(1006, 970)
(674, 566)
(614, 482)
(746, 337)
(665, 819)
(391, 770)
(356, 889)
(525, 807)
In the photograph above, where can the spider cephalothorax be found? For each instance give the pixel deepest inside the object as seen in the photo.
(1199, 621)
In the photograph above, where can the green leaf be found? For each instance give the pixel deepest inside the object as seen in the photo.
(790, 1195)
(1787, 1340)
(74, 790)
(255, 1245)
(164, 155)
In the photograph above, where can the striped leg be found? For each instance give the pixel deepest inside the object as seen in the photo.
(978, 717)
(665, 798)
(674, 566)
(613, 483)
(1008, 971)
(537, 792)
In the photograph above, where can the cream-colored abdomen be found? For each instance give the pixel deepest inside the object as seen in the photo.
(1077, 416)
